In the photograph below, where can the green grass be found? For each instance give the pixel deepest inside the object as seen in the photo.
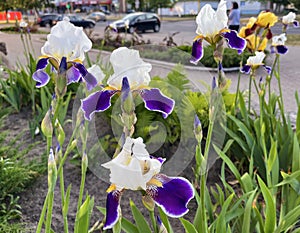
(293, 39)
(16, 173)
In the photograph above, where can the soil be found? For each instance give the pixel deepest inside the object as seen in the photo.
(33, 198)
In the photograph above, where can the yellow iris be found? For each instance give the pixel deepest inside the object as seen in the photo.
(255, 43)
(251, 22)
(266, 19)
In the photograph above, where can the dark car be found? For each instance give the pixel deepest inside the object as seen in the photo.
(79, 21)
(47, 20)
(97, 16)
(139, 21)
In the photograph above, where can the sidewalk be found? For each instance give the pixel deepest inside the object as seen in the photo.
(290, 71)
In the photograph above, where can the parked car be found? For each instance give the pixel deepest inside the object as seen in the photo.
(79, 21)
(47, 20)
(139, 21)
(97, 16)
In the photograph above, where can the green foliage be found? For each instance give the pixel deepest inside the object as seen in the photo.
(15, 175)
(260, 136)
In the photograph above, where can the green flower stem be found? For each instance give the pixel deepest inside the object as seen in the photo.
(57, 108)
(41, 220)
(155, 229)
(249, 94)
(83, 175)
(68, 150)
(271, 75)
(281, 104)
(239, 82)
(62, 193)
(49, 210)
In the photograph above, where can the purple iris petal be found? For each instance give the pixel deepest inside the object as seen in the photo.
(112, 209)
(156, 101)
(281, 49)
(174, 195)
(296, 23)
(159, 159)
(246, 69)
(73, 75)
(41, 77)
(42, 63)
(234, 41)
(272, 49)
(63, 66)
(268, 69)
(197, 51)
(96, 102)
(90, 79)
(125, 89)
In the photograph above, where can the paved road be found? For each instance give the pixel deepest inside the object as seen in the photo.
(290, 72)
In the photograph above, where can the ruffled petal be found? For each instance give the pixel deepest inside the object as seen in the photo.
(197, 51)
(296, 23)
(268, 69)
(156, 101)
(90, 79)
(42, 63)
(41, 77)
(281, 49)
(235, 41)
(96, 102)
(73, 75)
(112, 209)
(173, 195)
(246, 69)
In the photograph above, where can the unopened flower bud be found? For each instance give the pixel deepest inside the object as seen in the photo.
(161, 226)
(52, 170)
(46, 125)
(84, 161)
(148, 202)
(198, 129)
(61, 133)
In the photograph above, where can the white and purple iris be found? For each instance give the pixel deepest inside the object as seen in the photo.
(254, 62)
(133, 168)
(212, 27)
(130, 73)
(65, 50)
(290, 18)
(278, 44)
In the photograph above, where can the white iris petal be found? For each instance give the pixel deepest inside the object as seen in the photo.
(96, 71)
(289, 18)
(127, 63)
(66, 40)
(279, 40)
(211, 22)
(257, 59)
(132, 168)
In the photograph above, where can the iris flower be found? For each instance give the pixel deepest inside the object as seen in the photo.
(254, 62)
(278, 44)
(266, 19)
(130, 72)
(135, 169)
(290, 18)
(64, 50)
(212, 27)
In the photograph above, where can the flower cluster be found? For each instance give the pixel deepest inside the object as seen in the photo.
(257, 32)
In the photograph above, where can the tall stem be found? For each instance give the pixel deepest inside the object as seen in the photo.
(249, 94)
